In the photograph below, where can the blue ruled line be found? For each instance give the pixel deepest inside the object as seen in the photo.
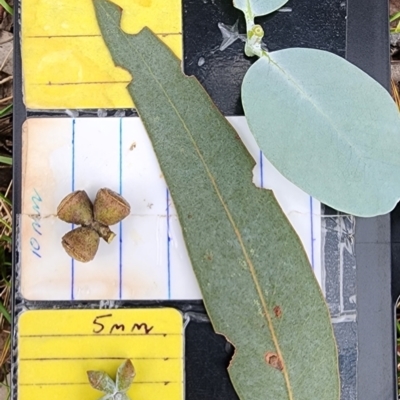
(73, 189)
(120, 224)
(261, 170)
(312, 231)
(168, 249)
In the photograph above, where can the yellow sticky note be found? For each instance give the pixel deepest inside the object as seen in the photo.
(66, 64)
(57, 347)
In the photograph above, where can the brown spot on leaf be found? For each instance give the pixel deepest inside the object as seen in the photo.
(277, 311)
(273, 360)
(133, 146)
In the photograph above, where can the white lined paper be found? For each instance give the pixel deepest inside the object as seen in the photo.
(148, 259)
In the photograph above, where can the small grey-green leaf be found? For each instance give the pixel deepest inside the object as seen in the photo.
(256, 281)
(258, 7)
(125, 375)
(99, 380)
(328, 127)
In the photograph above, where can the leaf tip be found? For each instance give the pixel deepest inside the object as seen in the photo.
(94, 378)
(125, 375)
(106, 3)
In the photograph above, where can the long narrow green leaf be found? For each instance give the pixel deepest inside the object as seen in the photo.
(4, 198)
(6, 238)
(394, 16)
(6, 110)
(4, 311)
(6, 160)
(5, 223)
(7, 7)
(256, 281)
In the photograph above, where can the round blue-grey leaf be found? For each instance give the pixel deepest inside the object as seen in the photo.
(256, 8)
(328, 127)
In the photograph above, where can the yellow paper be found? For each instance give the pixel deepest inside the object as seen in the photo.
(66, 64)
(57, 347)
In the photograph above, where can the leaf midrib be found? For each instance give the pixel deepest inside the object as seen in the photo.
(317, 108)
(231, 220)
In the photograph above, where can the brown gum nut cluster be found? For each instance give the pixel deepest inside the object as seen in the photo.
(108, 208)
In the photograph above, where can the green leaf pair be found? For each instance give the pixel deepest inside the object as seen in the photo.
(101, 381)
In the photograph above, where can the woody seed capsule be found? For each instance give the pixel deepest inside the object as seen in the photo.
(76, 208)
(81, 243)
(109, 207)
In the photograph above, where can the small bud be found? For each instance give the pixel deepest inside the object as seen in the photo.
(109, 207)
(76, 208)
(258, 31)
(81, 243)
